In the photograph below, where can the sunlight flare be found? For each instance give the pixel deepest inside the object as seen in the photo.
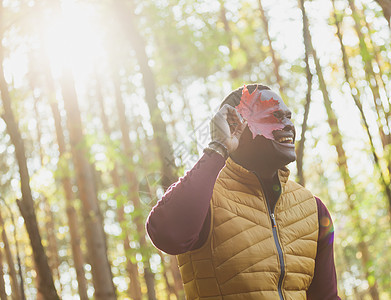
(73, 39)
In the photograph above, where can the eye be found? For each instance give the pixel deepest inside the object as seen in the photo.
(278, 114)
(289, 116)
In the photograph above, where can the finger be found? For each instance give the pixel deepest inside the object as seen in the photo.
(234, 116)
(230, 111)
(239, 129)
(232, 119)
(227, 116)
(239, 116)
(226, 110)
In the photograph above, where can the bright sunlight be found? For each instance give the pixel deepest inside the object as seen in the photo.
(73, 38)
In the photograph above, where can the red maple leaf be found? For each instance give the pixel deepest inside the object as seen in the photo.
(259, 113)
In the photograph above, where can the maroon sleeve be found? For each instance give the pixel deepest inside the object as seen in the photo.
(177, 220)
(324, 283)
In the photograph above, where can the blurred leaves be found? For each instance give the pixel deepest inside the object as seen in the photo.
(197, 57)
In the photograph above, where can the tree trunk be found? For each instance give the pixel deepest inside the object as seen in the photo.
(10, 262)
(93, 221)
(26, 205)
(342, 266)
(380, 64)
(54, 258)
(177, 278)
(52, 246)
(301, 143)
(23, 297)
(186, 106)
(73, 222)
(95, 235)
(132, 182)
(134, 289)
(3, 294)
(356, 97)
(381, 84)
(276, 62)
(169, 288)
(127, 18)
(38, 124)
(386, 7)
(384, 129)
(234, 74)
(173, 120)
(342, 163)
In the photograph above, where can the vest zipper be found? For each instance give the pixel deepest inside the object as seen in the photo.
(280, 256)
(276, 240)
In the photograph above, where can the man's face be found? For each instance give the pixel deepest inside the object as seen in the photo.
(278, 144)
(284, 139)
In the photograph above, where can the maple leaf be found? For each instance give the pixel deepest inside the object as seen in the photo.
(259, 113)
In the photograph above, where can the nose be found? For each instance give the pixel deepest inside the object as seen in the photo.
(288, 125)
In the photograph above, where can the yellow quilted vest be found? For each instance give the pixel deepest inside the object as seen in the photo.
(246, 258)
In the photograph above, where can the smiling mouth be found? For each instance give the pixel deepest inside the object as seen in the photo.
(285, 140)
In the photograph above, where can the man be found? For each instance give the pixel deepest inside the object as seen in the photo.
(240, 228)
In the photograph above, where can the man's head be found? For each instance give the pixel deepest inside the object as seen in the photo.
(258, 148)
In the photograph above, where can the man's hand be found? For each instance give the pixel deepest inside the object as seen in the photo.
(226, 127)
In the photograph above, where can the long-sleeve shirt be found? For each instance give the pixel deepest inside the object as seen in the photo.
(180, 222)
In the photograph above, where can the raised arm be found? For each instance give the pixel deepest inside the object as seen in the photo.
(176, 223)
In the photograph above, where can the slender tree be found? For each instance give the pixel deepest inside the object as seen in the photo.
(73, 222)
(301, 143)
(72, 217)
(95, 235)
(379, 62)
(188, 111)
(386, 7)
(337, 142)
(232, 40)
(92, 217)
(131, 179)
(169, 288)
(22, 292)
(356, 95)
(126, 16)
(53, 256)
(26, 204)
(234, 74)
(367, 58)
(10, 262)
(134, 286)
(3, 294)
(276, 61)
(173, 121)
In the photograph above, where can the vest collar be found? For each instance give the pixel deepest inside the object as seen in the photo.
(247, 177)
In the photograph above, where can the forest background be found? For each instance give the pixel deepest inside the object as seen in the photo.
(105, 103)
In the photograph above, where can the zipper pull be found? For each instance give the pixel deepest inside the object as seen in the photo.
(273, 220)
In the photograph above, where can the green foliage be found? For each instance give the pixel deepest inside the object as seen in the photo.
(198, 51)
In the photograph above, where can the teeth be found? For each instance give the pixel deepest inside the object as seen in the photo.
(285, 139)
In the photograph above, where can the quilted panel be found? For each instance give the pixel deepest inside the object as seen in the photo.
(239, 259)
(297, 221)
